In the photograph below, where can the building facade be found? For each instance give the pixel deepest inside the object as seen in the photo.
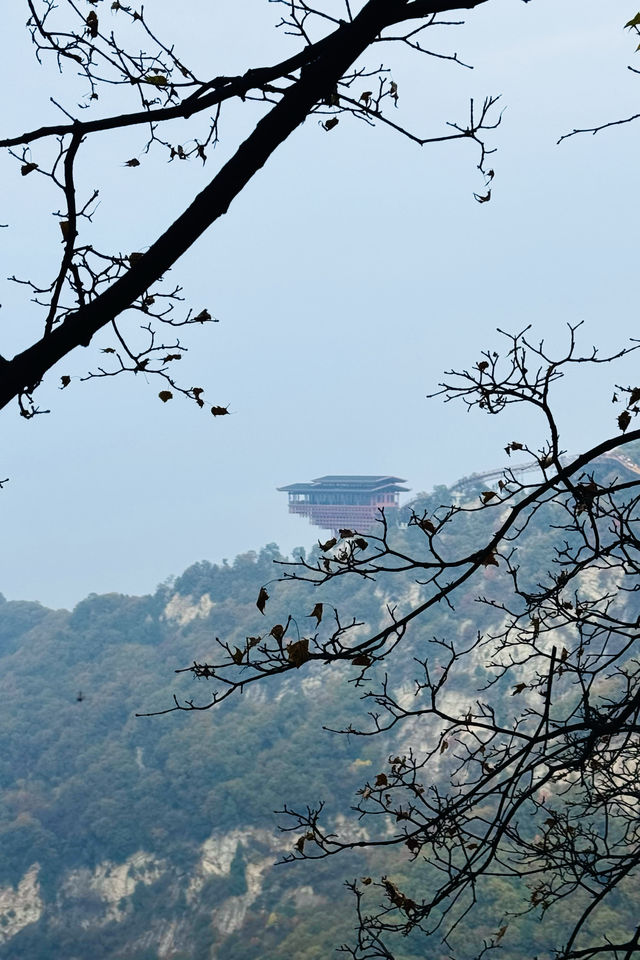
(345, 502)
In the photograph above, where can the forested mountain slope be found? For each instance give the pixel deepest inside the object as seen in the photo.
(151, 838)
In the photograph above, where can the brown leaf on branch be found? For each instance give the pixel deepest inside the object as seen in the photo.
(624, 420)
(489, 560)
(263, 596)
(92, 24)
(427, 525)
(328, 544)
(317, 613)
(361, 660)
(298, 652)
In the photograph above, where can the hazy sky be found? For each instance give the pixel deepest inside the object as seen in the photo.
(352, 271)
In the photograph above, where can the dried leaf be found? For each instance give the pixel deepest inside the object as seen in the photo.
(483, 365)
(514, 445)
(219, 411)
(444, 746)
(328, 545)
(624, 420)
(381, 780)
(157, 80)
(317, 613)
(165, 395)
(360, 543)
(331, 123)
(361, 661)
(134, 162)
(519, 687)
(300, 844)
(28, 168)
(203, 316)
(483, 199)
(345, 534)
(488, 495)
(65, 380)
(237, 656)
(263, 596)
(92, 24)
(298, 652)
(489, 560)
(135, 257)
(64, 229)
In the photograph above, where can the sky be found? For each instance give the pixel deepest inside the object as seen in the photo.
(353, 270)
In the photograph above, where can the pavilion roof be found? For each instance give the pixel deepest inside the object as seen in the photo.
(370, 483)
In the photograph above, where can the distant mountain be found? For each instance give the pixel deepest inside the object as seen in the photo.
(155, 838)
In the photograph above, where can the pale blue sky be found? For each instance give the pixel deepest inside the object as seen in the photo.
(353, 270)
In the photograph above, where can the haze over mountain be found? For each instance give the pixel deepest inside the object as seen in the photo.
(155, 838)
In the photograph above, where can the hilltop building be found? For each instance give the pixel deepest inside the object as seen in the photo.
(339, 502)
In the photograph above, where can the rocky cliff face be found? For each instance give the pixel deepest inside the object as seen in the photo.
(106, 896)
(21, 905)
